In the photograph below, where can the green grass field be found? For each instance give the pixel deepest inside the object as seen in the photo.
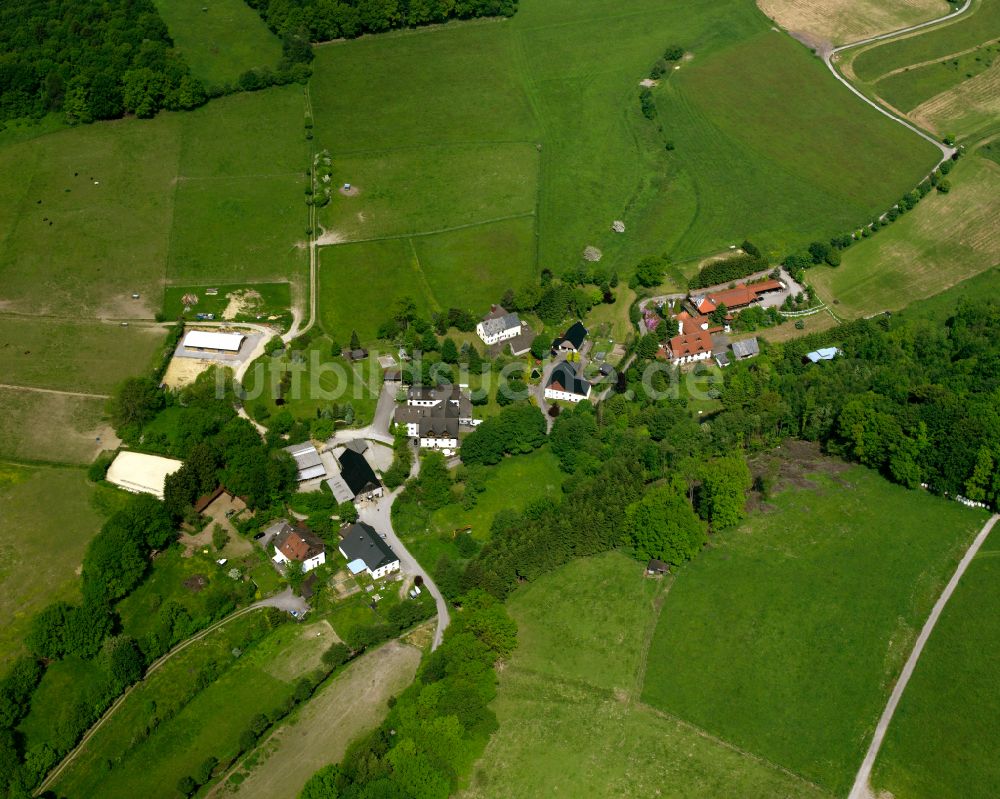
(512, 483)
(570, 722)
(219, 40)
(87, 357)
(947, 238)
(209, 724)
(318, 381)
(906, 90)
(786, 636)
(35, 426)
(47, 518)
(562, 80)
(980, 24)
(943, 738)
(941, 306)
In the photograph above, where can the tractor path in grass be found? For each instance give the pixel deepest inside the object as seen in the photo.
(861, 788)
(54, 391)
(831, 53)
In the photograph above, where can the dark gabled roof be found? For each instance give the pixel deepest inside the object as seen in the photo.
(656, 565)
(575, 335)
(565, 376)
(746, 348)
(360, 541)
(357, 472)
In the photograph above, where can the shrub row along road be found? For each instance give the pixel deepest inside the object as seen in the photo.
(861, 789)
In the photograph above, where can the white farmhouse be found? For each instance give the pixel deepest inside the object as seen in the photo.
(565, 383)
(365, 550)
(299, 544)
(498, 325)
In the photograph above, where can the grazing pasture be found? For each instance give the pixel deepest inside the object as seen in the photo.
(85, 219)
(843, 21)
(351, 704)
(786, 636)
(978, 25)
(947, 238)
(570, 720)
(943, 739)
(219, 40)
(47, 518)
(38, 426)
(84, 356)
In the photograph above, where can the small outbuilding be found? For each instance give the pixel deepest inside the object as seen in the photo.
(656, 568)
(307, 461)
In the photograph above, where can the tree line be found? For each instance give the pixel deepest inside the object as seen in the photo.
(323, 20)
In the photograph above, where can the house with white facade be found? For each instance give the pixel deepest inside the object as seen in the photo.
(690, 348)
(565, 383)
(432, 416)
(498, 325)
(298, 544)
(367, 551)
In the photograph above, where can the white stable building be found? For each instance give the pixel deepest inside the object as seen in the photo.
(211, 341)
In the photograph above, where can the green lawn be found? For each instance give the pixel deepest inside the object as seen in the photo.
(512, 483)
(430, 188)
(220, 39)
(188, 722)
(35, 426)
(941, 306)
(47, 518)
(570, 722)
(318, 381)
(69, 690)
(943, 739)
(89, 357)
(947, 238)
(906, 90)
(980, 24)
(785, 637)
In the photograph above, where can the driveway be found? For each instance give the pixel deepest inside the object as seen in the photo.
(286, 601)
(379, 516)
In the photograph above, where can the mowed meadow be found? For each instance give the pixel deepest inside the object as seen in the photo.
(759, 669)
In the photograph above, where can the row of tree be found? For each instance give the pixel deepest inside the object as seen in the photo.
(323, 20)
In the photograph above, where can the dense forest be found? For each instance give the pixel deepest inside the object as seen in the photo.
(332, 19)
(90, 60)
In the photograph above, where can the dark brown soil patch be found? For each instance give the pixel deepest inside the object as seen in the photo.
(196, 582)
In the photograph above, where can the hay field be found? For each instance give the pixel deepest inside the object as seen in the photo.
(843, 21)
(978, 25)
(46, 520)
(37, 426)
(350, 705)
(219, 40)
(969, 110)
(944, 240)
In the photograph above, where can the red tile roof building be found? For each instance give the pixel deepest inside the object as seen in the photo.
(696, 346)
(735, 298)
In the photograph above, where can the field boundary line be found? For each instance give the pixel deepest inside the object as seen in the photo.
(861, 788)
(934, 61)
(733, 747)
(82, 394)
(192, 178)
(422, 277)
(397, 236)
(71, 755)
(658, 601)
(481, 144)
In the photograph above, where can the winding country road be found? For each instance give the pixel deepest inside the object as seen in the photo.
(829, 54)
(861, 788)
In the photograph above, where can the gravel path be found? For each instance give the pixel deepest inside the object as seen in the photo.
(861, 789)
